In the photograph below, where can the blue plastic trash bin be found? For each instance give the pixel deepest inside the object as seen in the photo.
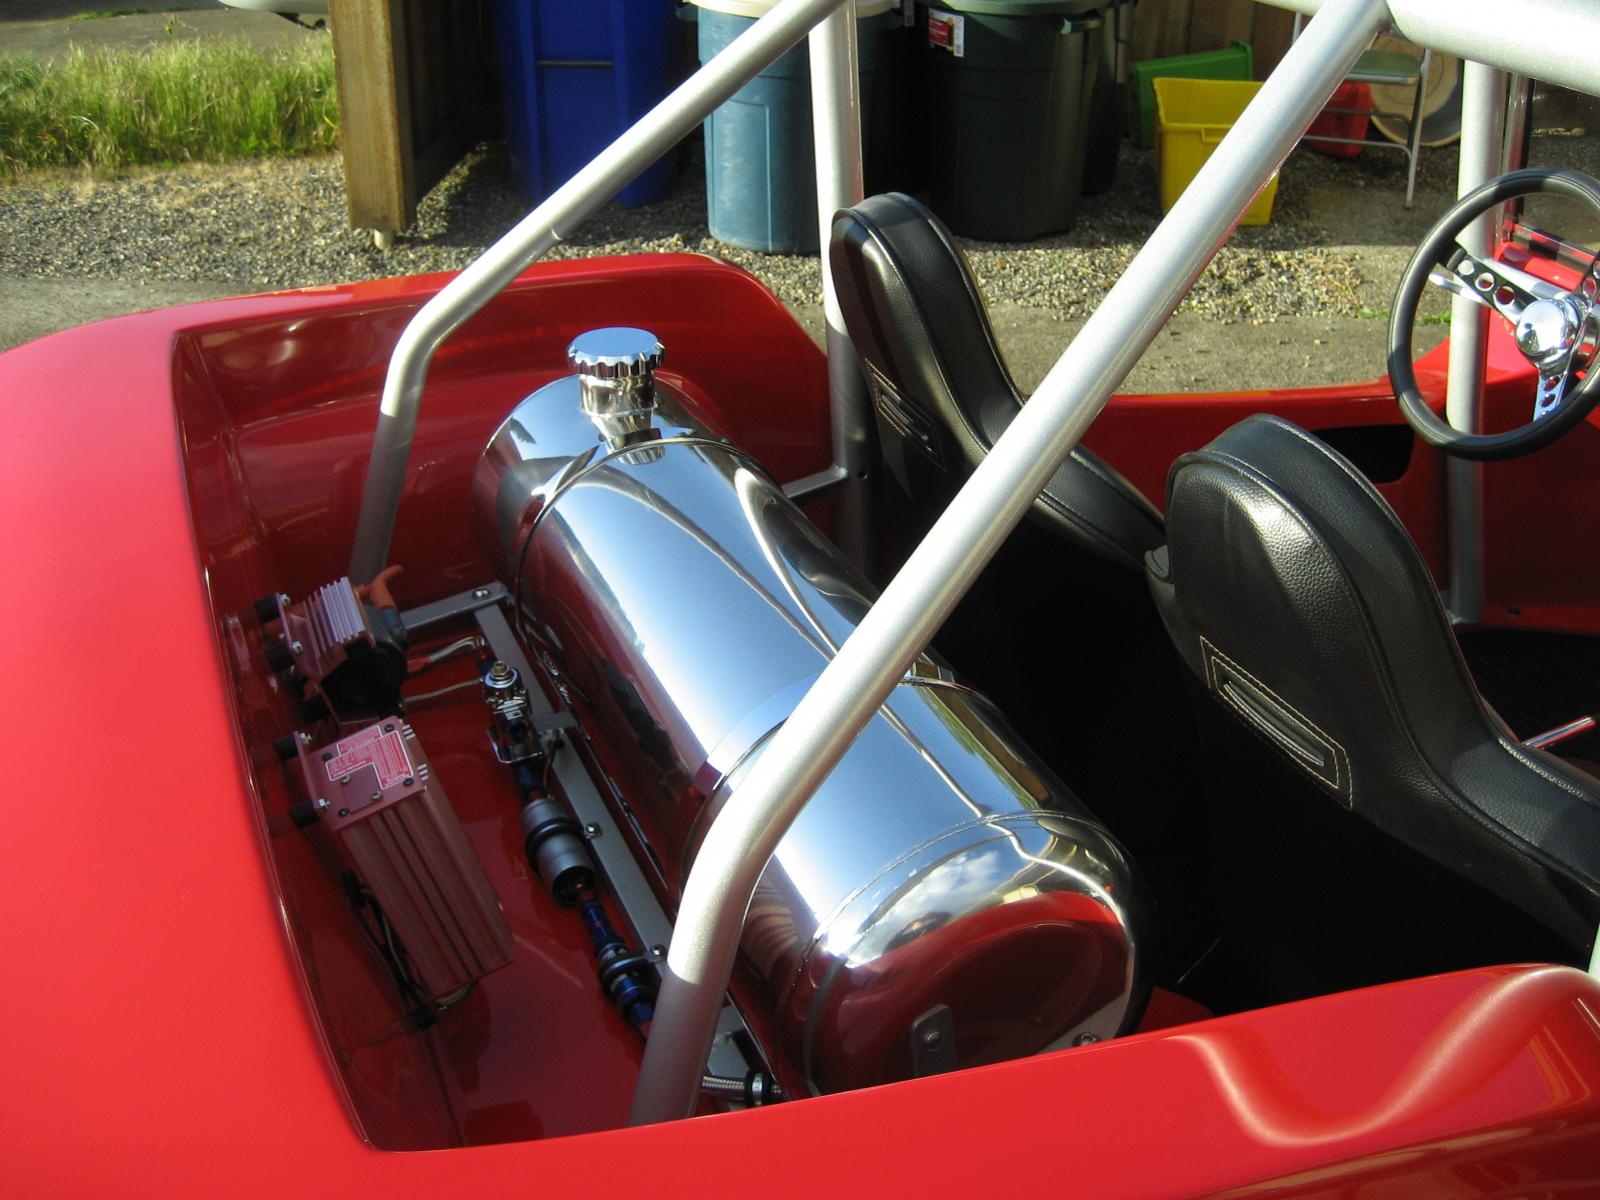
(761, 177)
(574, 76)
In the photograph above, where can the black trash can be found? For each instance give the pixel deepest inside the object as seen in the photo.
(1011, 84)
(1108, 102)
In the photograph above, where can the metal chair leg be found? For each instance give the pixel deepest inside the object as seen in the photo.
(1414, 134)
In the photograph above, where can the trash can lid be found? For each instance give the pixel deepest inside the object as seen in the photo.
(759, 8)
(1024, 8)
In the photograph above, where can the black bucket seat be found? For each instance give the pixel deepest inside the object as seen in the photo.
(941, 392)
(1294, 593)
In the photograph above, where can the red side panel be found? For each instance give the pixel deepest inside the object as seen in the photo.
(157, 1041)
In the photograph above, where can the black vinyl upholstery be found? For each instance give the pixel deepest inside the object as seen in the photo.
(941, 392)
(1295, 594)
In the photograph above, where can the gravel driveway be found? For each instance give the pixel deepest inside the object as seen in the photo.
(1323, 270)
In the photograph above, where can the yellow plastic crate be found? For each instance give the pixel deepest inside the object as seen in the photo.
(1192, 115)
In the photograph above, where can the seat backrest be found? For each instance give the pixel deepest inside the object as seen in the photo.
(1292, 590)
(941, 392)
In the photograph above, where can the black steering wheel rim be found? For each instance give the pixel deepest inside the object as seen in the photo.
(1434, 251)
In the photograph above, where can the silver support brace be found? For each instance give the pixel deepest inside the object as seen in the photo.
(916, 602)
(836, 123)
(1552, 40)
(606, 841)
(652, 136)
(1483, 104)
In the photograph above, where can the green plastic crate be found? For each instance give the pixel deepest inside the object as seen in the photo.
(1235, 62)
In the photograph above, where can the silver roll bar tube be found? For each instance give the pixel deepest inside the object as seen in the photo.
(917, 601)
(836, 123)
(1482, 147)
(567, 207)
(1552, 40)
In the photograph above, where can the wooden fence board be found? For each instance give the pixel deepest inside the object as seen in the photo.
(410, 101)
(1166, 27)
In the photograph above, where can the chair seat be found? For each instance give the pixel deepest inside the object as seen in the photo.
(942, 395)
(1294, 593)
(1385, 66)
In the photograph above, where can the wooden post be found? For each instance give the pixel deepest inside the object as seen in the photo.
(410, 99)
(374, 113)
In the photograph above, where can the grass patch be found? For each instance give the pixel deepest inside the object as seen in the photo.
(183, 101)
(100, 14)
(1382, 314)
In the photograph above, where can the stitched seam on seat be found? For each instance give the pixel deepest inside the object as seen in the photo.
(1458, 801)
(971, 284)
(1121, 488)
(1341, 758)
(1054, 501)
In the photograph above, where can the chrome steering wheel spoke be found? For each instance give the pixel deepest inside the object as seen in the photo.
(1552, 387)
(1559, 372)
(1498, 286)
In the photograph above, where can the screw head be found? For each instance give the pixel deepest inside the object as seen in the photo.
(658, 952)
(408, 781)
(344, 812)
(344, 779)
(327, 756)
(1085, 1039)
(376, 796)
(389, 727)
(932, 1039)
(591, 830)
(297, 647)
(480, 593)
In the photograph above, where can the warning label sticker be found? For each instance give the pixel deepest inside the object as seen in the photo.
(384, 752)
(948, 31)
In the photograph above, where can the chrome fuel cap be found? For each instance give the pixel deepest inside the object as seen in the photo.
(616, 377)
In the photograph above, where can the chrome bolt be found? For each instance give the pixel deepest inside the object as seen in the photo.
(657, 953)
(344, 779)
(591, 830)
(480, 593)
(296, 647)
(500, 672)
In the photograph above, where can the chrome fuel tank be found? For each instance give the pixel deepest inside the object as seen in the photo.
(942, 900)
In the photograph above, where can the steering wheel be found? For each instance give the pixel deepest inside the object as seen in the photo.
(1556, 330)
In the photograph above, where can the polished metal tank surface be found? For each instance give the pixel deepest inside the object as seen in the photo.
(942, 901)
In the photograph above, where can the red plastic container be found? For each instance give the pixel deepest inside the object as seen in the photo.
(1342, 124)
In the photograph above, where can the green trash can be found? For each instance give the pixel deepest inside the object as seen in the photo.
(1011, 84)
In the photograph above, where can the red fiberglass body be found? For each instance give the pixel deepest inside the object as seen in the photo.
(186, 1009)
